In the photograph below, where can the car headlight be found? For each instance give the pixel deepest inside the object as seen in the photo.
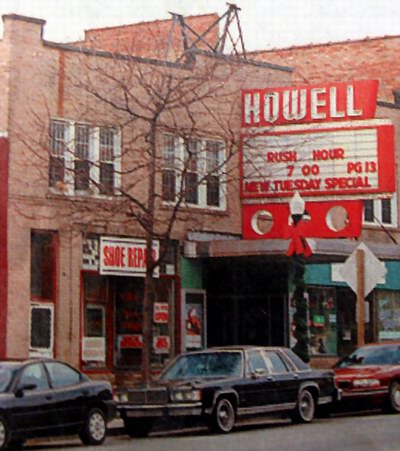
(186, 395)
(366, 383)
(121, 397)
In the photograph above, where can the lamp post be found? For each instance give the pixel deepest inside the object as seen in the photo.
(298, 251)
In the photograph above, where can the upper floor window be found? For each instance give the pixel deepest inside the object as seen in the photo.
(193, 169)
(84, 158)
(381, 212)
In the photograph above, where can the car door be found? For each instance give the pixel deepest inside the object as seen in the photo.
(255, 391)
(71, 395)
(33, 407)
(286, 383)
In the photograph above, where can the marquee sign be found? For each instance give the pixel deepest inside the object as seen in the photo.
(312, 103)
(125, 256)
(353, 159)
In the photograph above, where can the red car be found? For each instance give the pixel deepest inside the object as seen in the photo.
(371, 375)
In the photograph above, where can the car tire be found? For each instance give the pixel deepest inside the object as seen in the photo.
(95, 428)
(4, 433)
(223, 417)
(138, 428)
(393, 400)
(305, 408)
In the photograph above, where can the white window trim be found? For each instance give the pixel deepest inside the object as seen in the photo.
(94, 157)
(378, 214)
(201, 171)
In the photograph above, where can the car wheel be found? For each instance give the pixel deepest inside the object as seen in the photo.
(393, 400)
(305, 408)
(139, 427)
(95, 428)
(4, 433)
(223, 417)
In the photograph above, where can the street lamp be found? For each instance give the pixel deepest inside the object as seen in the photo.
(298, 251)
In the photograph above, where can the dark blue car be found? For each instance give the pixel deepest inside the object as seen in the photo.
(42, 398)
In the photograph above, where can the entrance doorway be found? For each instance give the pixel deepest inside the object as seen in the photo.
(247, 302)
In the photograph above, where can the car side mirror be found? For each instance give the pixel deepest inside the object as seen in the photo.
(20, 391)
(258, 372)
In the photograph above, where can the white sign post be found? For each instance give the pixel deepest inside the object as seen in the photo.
(362, 271)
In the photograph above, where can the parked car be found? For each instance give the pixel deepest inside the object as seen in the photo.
(371, 376)
(42, 397)
(219, 385)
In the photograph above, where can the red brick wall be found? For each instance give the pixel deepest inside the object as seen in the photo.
(149, 39)
(371, 58)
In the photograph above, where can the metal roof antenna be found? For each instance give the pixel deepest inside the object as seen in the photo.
(192, 40)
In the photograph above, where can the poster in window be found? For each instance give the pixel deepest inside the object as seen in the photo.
(194, 325)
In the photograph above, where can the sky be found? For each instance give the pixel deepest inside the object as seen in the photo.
(265, 23)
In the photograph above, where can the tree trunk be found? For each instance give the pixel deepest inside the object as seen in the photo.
(148, 295)
(300, 317)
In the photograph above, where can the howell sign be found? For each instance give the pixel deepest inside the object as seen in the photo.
(317, 103)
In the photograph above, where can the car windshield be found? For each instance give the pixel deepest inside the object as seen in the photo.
(5, 378)
(210, 364)
(372, 355)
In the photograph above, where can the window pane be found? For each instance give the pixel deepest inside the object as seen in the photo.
(213, 191)
(82, 141)
(169, 155)
(62, 375)
(256, 362)
(168, 185)
(106, 178)
(56, 171)
(43, 265)
(369, 210)
(34, 374)
(191, 188)
(57, 138)
(95, 321)
(107, 139)
(277, 365)
(82, 169)
(386, 211)
(41, 319)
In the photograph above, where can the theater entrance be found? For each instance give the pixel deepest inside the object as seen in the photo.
(246, 302)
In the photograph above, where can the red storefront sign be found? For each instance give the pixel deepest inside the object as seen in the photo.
(340, 219)
(354, 159)
(131, 342)
(312, 103)
(161, 344)
(161, 312)
(125, 256)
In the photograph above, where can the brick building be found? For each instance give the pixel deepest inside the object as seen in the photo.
(364, 59)
(75, 171)
(73, 159)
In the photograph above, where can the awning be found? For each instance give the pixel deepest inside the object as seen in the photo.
(323, 249)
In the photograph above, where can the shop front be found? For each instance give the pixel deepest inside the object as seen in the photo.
(112, 287)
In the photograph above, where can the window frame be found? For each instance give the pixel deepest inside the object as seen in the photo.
(177, 167)
(91, 163)
(377, 212)
(38, 351)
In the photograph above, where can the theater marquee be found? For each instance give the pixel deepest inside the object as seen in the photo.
(322, 141)
(354, 159)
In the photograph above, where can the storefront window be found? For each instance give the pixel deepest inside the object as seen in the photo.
(96, 302)
(388, 315)
(323, 334)
(129, 320)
